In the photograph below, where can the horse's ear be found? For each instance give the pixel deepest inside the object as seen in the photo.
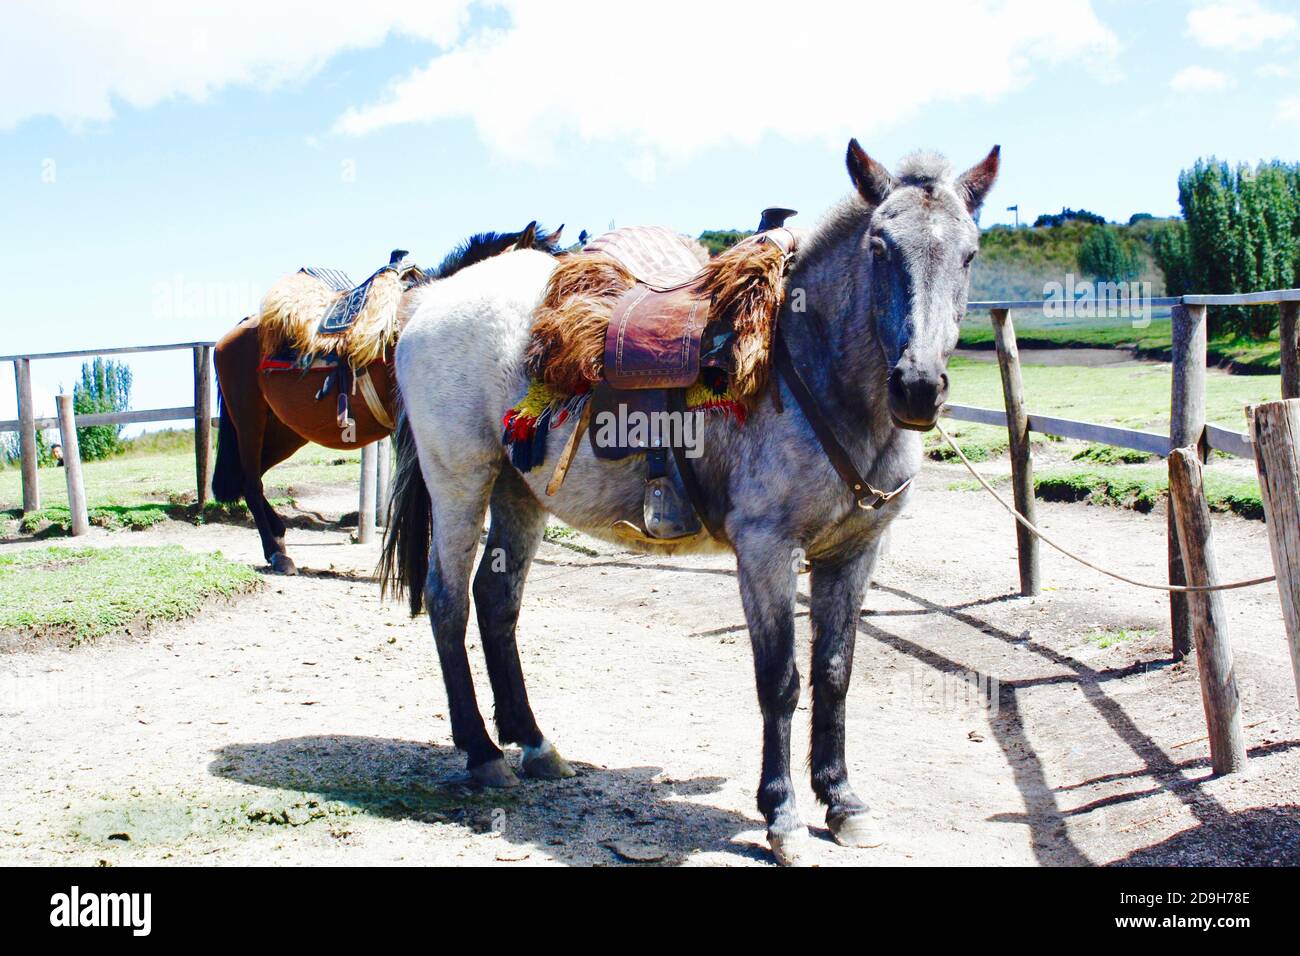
(871, 179)
(974, 184)
(527, 236)
(553, 238)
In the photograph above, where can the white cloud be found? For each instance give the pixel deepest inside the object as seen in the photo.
(1237, 25)
(1288, 111)
(677, 76)
(1200, 79)
(72, 60)
(1275, 71)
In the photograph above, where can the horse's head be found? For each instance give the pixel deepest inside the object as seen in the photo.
(917, 253)
(536, 237)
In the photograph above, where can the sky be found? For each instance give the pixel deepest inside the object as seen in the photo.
(162, 163)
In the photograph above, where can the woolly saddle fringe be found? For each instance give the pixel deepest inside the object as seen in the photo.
(293, 308)
(744, 286)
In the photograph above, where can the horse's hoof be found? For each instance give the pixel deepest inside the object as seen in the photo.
(790, 847)
(858, 828)
(494, 773)
(281, 563)
(545, 763)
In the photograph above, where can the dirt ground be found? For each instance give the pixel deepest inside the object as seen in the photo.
(307, 724)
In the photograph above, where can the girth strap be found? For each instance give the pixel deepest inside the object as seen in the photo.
(686, 470)
(866, 496)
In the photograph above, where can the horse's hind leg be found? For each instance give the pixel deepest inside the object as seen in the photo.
(457, 520)
(516, 530)
(838, 588)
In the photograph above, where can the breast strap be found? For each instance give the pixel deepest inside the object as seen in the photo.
(864, 494)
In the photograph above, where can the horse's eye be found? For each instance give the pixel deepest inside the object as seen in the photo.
(970, 257)
(878, 247)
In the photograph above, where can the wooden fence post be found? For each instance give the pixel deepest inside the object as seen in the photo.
(202, 420)
(1276, 432)
(1022, 459)
(1186, 427)
(366, 506)
(27, 453)
(384, 450)
(1209, 619)
(1290, 345)
(72, 466)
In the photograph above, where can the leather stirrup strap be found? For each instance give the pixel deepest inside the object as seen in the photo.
(866, 496)
(690, 480)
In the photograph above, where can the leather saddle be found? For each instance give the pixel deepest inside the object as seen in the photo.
(341, 315)
(657, 342)
(338, 319)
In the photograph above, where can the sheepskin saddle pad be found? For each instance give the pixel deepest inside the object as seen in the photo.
(315, 312)
(637, 310)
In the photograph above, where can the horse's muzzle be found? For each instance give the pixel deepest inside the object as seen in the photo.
(916, 395)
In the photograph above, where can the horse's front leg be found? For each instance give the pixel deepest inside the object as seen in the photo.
(767, 587)
(838, 589)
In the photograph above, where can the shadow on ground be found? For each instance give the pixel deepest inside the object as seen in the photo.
(1265, 836)
(601, 816)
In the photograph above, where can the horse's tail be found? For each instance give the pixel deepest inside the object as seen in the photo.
(228, 472)
(404, 559)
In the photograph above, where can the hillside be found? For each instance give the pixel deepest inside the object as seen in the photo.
(1016, 263)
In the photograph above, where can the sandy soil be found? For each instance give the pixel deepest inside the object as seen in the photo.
(307, 723)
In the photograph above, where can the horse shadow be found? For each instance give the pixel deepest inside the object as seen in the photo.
(602, 816)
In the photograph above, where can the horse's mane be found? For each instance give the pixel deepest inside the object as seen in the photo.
(485, 245)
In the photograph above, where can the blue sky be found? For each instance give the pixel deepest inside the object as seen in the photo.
(160, 166)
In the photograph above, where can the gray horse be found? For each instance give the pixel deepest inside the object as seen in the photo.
(882, 284)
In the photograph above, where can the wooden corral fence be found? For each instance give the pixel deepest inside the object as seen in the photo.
(374, 458)
(1197, 618)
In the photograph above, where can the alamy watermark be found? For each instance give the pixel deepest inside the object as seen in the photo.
(1086, 299)
(633, 428)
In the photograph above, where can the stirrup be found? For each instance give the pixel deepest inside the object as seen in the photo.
(667, 512)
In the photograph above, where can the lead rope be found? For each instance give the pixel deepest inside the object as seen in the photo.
(1084, 561)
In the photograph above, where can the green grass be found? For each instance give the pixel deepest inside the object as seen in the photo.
(1152, 342)
(1104, 639)
(86, 593)
(1130, 396)
(1141, 487)
(1110, 455)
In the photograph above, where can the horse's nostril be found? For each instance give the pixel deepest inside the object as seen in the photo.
(943, 383)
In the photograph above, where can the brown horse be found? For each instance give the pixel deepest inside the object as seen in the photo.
(270, 409)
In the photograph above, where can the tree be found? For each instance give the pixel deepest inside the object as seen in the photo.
(11, 450)
(105, 386)
(1108, 257)
(719, 240)
(1242, 234)
(1169, 247)
(1067, 215)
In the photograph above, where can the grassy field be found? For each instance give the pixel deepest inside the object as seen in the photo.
(1151, 342)
(114, 588)
(1130, 396)
(155, 480)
